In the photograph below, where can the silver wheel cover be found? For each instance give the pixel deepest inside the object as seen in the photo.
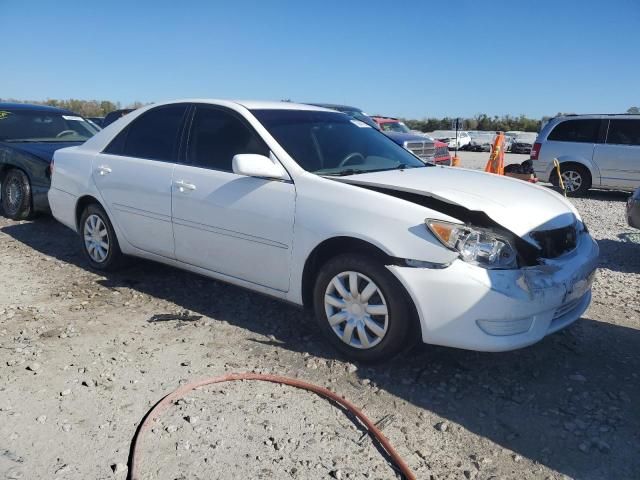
(356, 310)
(96, 238)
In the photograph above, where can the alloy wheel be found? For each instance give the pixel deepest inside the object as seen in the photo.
(356, 310)
(96, 238)
(572, 180)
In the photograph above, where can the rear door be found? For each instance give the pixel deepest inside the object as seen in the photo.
(619, 158)
(231, 224)
(134, 174)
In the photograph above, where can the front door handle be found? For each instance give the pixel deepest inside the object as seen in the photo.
(184, 186)
(104, 170)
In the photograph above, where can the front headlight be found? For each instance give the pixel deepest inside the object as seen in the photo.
(477, 246)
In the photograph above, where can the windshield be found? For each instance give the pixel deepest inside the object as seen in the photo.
(394, 127)
(42, 126)
(330, 143)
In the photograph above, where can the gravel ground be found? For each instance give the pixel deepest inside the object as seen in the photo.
(80, 366)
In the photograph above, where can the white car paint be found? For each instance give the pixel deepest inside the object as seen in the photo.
(449, 137)
(258, 233)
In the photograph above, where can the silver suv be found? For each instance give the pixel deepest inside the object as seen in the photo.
(600, 151)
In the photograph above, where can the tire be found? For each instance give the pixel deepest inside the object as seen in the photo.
(386, 335)
(577, 179)
(98, 239)
(17, 202)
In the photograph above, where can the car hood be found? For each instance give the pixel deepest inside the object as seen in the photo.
(41, 150)
(400, 138)
(514, 204)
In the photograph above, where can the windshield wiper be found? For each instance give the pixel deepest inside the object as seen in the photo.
(342, 173)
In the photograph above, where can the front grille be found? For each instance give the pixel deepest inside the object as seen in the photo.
(442, 151)
(556, 242)
(424, 150)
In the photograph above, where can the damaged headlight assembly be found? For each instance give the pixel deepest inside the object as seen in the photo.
(481, 247)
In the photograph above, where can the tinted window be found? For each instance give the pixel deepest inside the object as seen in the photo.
(22, 125)
(624, 132)
(216, 136)
(153, 135)
(585, 131)
(334, 144)
(115, 115)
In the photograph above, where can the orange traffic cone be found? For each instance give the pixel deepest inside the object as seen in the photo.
(496, 159)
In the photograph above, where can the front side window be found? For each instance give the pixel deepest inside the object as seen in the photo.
(624, 132)
(18, 125)
(216, 136)
(154, 135)
(584, 131)
(330, 143)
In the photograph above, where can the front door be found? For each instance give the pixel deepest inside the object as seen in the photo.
(231, 224)
(134, 176)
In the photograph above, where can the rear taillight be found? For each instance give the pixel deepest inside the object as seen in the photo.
(51, 169)
(535, 151)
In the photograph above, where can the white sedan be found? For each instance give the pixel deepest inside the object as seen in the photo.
(319, 209)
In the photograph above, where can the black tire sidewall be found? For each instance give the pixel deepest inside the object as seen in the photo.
(394, 293)
(114, 256)
(24, 210)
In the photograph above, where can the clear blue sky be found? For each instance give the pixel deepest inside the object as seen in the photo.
(408, 58)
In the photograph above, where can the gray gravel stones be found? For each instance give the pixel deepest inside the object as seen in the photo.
(563, 408)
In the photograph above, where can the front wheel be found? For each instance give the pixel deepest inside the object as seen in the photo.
(576, 179)
(16, 195)
(362, 308)
(98, 239)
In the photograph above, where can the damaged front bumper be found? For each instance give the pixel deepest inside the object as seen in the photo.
(469, 307)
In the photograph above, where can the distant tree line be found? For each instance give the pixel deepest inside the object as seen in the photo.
(481, 121)
(86, 108)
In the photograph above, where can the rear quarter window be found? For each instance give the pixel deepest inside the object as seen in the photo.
(584, 131)
(624, 132)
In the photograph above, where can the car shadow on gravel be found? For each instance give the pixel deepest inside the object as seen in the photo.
(622, 255)
(568, 402)
(607, 195)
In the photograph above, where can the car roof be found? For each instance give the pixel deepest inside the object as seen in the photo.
(598, 115)
(335, 106)
(31, 106)
(248, 104)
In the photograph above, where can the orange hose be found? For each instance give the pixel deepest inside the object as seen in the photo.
(162, 405)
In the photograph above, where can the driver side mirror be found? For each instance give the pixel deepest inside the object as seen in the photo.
(253, 165)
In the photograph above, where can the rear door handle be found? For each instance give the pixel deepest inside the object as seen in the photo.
(104, 170)
(184, 186)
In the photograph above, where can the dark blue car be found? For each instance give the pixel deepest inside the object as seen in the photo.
(29, 134)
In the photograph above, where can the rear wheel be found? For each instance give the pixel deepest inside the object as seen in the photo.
(576, 179)
(98, 239)
(362, 308)
(16, 195)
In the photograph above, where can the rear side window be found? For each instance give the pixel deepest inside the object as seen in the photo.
(585, 131)
(624, 132)
(217, 135)
(154, 135)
